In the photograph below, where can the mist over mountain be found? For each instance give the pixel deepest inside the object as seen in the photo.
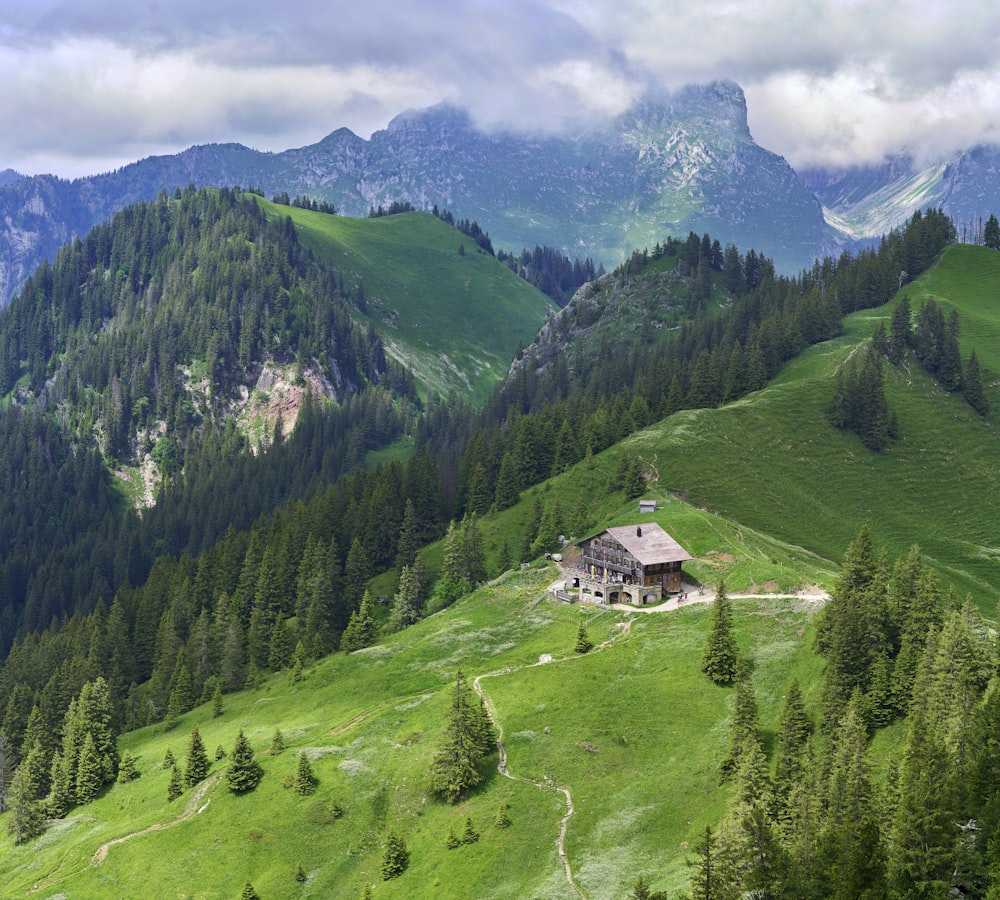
(669, 165)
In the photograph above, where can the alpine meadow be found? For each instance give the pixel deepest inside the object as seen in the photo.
(357, 557)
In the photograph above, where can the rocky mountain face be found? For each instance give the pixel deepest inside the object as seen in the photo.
(667, 166)
(866, 201)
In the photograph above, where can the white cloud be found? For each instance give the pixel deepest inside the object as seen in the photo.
(826, 80)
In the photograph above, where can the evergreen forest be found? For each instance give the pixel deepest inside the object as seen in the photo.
(369, 521)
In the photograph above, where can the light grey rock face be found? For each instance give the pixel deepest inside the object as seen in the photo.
(667, 166)
(864, 202)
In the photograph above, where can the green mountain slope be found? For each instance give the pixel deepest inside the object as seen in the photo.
(633, 731)
(773, 460)
(454, 317)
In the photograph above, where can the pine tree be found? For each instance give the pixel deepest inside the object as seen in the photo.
(176, 785)
(473, 554)
(60, 790)
(362, 630)
(634, 483)
(305, 780)
(850, 848)
(744, 731)
(249, 893)
(244, 771)
(26, 817)
(279, 652)
(452, 841)
(469, 835)
(704, 884)
(469, 736)
(277, 743)
(168, 759)
(6, 768)
(357, 571)
(793, 734)
(924, 836)
(409, 538)
(991, 233)
(300, 874)
(89, 773)
(217, 707)
(406, 607)
(181, 696)
(751, 858)
(502, 819)
(127, 769)
(396, 858)
(972, 387)
(509, 482)
(720, 659)
(197, 760)
(852, 629)
(583, 642)
(298, 663)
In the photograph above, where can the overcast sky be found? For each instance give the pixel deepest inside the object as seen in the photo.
(89, 85)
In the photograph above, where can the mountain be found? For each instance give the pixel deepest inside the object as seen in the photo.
(625, 741)
(669, 165)
(161, 362)
(863, 202)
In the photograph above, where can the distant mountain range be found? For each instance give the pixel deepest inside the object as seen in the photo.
(862, 202)
(669, 165)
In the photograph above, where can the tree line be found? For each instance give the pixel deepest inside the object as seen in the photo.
(817, 818)
(555, 409)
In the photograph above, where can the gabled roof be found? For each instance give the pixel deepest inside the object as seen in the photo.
(648, 543)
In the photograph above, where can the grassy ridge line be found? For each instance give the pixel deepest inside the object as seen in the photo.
(772, 460)
(455, 319)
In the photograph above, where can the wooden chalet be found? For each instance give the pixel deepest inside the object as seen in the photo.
(636, 564)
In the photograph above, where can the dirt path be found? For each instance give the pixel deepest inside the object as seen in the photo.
(624, 628)
(693, 595)
(192, 809)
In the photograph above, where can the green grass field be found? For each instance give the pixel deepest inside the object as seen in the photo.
(633, 730)
(455, 319)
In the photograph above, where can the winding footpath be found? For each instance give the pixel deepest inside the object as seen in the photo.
(192, 809)
(547, 787)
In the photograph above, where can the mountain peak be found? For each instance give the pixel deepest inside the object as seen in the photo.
(439, 117)
(720, 105)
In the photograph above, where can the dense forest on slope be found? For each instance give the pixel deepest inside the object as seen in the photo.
(139, 343)
(819, 816)
(203, 278)
(558, 405)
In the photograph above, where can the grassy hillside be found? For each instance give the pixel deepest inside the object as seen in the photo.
(773, 461)
(633, 730)
(456, 319)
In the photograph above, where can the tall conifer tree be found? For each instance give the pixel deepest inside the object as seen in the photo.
(720, 659)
